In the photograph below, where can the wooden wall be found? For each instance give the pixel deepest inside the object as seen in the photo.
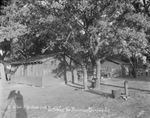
(36, 81)
(35, 70)
(50, 72)
(28, 74)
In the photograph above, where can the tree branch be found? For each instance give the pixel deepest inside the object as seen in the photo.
(97, 47)
(21, 52)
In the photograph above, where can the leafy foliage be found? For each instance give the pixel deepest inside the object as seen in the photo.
(86, 30)
(11, 27)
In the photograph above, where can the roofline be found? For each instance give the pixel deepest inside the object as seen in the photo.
(114, 62)
(117, 62)
(24, 62)
(72, 59)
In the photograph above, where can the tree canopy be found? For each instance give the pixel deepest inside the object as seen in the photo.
(87, 30)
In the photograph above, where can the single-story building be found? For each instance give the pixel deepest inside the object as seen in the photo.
(116, 67)
(42, 70)
(111, 68)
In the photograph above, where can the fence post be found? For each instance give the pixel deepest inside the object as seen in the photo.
(126, 87)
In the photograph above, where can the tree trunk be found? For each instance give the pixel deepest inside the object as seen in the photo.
(93, 69)
(72, 71)
(3, 75)
(134, 72)
(85, 82)
(98, 73)
(135, 68)
(75, 76)
(134, 64)
(65, 71)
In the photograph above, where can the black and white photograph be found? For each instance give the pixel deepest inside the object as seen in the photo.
(75, 59)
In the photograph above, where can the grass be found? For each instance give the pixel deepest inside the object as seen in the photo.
(65, 101)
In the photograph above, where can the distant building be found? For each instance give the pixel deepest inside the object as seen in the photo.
(116, 68)
(112, 68)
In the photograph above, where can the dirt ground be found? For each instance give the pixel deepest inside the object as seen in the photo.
(71, 101)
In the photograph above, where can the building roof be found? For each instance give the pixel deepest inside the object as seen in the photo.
(5, 62)
(36, 60)
(118, 62)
